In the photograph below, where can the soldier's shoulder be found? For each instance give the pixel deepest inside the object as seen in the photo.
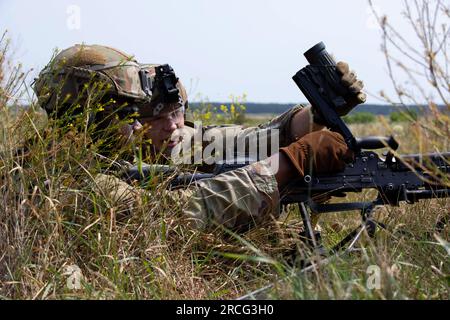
(224, 129)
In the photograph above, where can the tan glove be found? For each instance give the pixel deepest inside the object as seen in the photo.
(319, 152)
(349, 80)
(353, 96)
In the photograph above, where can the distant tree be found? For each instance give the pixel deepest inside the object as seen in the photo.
(360, 117)
(403, 116)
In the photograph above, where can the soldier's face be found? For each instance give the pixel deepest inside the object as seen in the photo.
(159, 130)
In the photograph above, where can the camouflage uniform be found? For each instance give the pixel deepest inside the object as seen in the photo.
(236, 199)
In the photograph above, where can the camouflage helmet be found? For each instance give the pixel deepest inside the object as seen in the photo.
(66, 77)
(76, 69)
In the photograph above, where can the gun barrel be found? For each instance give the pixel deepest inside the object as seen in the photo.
(439, 161)
(415, 195)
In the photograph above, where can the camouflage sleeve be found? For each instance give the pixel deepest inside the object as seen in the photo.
(283, 123)
(117, 193)
(237, 199)
(262, 141)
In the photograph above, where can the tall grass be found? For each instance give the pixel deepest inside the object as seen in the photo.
(64, 237)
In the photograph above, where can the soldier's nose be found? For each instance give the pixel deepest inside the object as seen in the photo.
(137, 126)
(170, 126)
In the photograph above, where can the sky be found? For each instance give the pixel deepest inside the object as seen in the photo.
(217, 48)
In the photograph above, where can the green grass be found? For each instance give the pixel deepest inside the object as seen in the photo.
(54, 219)
(150, 254)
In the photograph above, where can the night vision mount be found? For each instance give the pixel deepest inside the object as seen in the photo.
(164, 85)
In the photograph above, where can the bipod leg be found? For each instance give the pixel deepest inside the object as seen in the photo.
(368, 224)
(440, 225)
(442, 222)
(349, 237)
(309, 234)
(371, 225)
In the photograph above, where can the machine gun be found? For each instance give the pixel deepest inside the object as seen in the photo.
(397, 178)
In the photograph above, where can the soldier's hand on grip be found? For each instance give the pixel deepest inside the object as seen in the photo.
(354, 86)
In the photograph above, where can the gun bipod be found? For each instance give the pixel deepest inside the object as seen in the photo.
(313, 239)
